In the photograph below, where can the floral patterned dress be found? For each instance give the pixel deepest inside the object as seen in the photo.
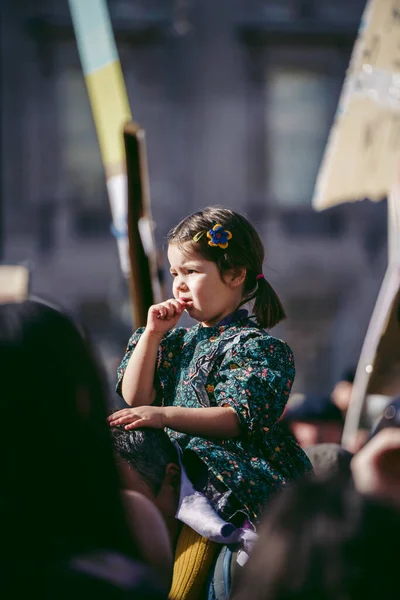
(242, 366)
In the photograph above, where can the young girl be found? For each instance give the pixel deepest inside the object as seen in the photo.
(218, 387)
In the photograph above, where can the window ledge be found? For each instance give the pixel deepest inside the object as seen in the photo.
(139, 31)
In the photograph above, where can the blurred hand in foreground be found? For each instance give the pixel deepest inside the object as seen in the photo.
(376, 467)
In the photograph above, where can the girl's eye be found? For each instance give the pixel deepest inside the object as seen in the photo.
(174, 274)
(190, 271)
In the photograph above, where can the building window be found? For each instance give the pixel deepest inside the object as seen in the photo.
(83, 175)
(299, 109)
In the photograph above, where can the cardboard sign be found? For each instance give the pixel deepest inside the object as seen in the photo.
(362, 157)
(362, 160)
(14, 283)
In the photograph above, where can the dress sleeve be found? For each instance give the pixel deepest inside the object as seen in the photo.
(255, 378)
(168, 353)
(133, 341)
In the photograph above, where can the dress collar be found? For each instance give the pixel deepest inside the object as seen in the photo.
(237, 315)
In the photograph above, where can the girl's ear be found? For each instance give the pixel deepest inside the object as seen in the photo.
(236, 277)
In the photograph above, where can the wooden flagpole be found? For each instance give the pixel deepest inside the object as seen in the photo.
(144, 283)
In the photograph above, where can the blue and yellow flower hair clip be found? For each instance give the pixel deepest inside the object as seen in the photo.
(218, 236)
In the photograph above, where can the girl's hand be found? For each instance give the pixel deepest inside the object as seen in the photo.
(164, 316)
(142, 416)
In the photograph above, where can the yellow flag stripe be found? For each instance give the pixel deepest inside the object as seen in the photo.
(111, 110)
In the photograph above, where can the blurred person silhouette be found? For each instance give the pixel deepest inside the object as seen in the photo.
(376, 466)
(316, 419)
(313, 420)
(149, 463)
(64, 528)
(389, 418)
(323, 540)
(342, 389)
(329, 459)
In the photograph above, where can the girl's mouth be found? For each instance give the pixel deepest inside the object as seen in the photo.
(187, 303)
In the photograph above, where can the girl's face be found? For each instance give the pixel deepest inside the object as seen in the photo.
(197, 282)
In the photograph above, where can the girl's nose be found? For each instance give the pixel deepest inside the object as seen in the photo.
(180, 284)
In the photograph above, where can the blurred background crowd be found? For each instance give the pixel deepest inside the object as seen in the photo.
(237, 99)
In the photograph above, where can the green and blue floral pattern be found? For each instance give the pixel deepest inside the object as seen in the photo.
(242, 366)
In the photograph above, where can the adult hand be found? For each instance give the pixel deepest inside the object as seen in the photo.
(141, 416)
(164, 316)
(376, 467)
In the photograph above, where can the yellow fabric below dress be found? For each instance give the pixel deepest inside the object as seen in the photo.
(194, 557)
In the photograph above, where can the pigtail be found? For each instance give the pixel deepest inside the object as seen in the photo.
(268, 308)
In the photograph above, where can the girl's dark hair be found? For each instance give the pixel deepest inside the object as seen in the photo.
(59, 486)
(245, 250)
(323, 540)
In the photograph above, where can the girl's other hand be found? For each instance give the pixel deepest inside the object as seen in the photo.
(164, 316)
(142, 416)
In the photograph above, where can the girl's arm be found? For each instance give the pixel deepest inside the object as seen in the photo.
(214, 422)
(138, 380)
(211, 422)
